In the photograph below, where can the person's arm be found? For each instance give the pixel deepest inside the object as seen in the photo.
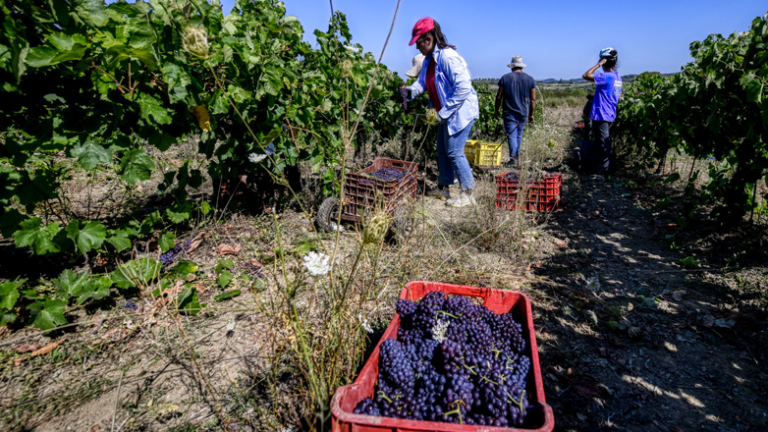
(456, 70)
(499, 98)
(589, 75)
(532, 105)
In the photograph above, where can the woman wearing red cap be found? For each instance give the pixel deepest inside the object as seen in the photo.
(445, 77)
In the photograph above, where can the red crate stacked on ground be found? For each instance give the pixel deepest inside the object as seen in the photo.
(499, 301)
(362, 191)
(541, 196)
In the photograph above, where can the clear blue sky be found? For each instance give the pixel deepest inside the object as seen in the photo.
(557, 39)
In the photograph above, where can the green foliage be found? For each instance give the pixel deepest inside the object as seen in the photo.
(715, 107)
(227, 295)
(139, 273)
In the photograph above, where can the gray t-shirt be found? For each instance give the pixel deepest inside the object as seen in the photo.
(517, 92)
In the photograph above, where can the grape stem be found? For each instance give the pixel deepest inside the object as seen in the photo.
(519, 404)
(456, 410)
(446, 313)
(383, 395)
(471, 369)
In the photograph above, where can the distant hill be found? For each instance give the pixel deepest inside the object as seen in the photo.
(628, 79)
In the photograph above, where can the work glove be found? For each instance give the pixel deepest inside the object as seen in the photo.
(405, 94)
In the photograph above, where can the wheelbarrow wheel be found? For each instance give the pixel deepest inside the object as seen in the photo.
(328, 214)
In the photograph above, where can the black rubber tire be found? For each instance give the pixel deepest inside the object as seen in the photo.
(327, 213)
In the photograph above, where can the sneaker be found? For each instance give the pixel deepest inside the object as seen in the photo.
(440, 192)
(512, 163)
(464, 199)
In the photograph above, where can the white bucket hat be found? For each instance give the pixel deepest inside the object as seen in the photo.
(417, 62)
(517, 62)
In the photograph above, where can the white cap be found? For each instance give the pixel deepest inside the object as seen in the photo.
(417, 62)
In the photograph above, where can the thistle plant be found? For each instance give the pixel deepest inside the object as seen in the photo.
(432, 118)
(194, 40)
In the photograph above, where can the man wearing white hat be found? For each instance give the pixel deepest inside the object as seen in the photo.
(418, 61)
(517, 90)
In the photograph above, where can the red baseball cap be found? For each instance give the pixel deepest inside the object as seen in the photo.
(423, 26)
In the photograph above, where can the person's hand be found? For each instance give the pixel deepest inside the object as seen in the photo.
(530, 118)
(405, 94)
(601, 62)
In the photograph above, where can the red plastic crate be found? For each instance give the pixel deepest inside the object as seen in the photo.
(541, 196)
(362, 191)
(499, 301)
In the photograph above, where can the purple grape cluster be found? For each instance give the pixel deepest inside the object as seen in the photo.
(172, 255)
(254, 271)
(388, 174)
(453, 361)
(511, 176)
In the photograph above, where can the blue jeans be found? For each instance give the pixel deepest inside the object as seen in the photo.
(451, 160)
(514, 126)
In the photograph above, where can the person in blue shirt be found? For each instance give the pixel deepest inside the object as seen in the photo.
(517, 90)
(445, 77)
(608, 88)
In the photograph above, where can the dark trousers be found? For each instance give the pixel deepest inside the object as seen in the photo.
(602, 139)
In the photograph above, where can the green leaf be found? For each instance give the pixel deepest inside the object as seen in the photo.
(48, 314)
(689, 262)
(91, 12)
(183, 268)
(94, 288)
(136, 165)
(7, 317)
(672, 178)
(138, 273)
(69, 283)
(753, 87)
(87, 237)
(223, 264)
(120, 240)
(151, 107)
(9, 293)
(37, 236)
(188, 301)
(177, 80)
(9, 222)
(167, 241)
(224, 278)
(205, 208)
(180, 212)
(90, 155)
(227, 295)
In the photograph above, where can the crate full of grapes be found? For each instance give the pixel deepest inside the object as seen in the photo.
(541, 192)
(386, 183)
(454, 358)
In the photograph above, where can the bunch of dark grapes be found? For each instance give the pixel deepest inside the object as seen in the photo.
(511, 176)
(172, 255)
(254, 271)
(453, 361)
(388, 174)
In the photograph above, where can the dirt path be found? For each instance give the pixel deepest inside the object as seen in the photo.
(629, 340)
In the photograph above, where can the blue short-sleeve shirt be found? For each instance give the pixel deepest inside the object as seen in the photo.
(607, 94)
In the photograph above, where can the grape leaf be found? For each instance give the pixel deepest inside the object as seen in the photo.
(167, 241)
(689, 262)
(180, 212)
(183, 268)
(48, 314)
(90, 155)
(136, 165)
(94, 288)
(9, 293)
(9, 222)
(151, 107)
(69, 283)
(87, 236)
(37, 236)
(120, 240)
(224, 278)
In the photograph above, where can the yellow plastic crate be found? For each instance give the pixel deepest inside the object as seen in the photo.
(483, 154)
